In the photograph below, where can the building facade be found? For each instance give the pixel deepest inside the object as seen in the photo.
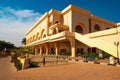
(73, 30)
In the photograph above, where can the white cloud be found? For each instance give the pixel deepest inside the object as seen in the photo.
(15, 23)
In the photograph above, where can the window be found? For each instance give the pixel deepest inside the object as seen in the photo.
(52, 49)
(107, 28)
(79, 29)
(80, 50)
(97, 27)
(89, 50)
(56, 22)
(94, 50)
(63, 50)
(54, 31)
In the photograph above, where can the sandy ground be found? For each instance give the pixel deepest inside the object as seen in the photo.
(70, 71)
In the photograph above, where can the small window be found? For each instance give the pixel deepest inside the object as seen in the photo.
(56, 22)
(89, 50)
(97, 27)
(54, 31)
(94, 50)
(63, 50)
(107, 28)
(79, 29)
(52, 49)
(44, 36)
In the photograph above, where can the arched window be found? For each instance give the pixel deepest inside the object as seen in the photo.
(107, 28)
(79, 29)
(42, 34)
(52, 49)
(97, 27)
(81, 50)
(94, 50)
(89, 50)
(31, 39)
(56, 22)
(34, 38)
(54, 31)
(37, 36)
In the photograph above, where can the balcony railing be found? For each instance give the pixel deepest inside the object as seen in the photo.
(52, 38)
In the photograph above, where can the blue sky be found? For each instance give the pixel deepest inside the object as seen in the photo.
(17, 16)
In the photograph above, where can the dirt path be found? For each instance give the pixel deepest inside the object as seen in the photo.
(71, 71)
(7, 68)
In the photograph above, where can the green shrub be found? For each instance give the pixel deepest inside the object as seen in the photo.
(17, 64)
(106, 56)
(92, 56)
(85, 55)
(65, 53)
(79, 54)
(33, 64)
(52, 53)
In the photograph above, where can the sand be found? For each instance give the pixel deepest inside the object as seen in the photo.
(70, 71)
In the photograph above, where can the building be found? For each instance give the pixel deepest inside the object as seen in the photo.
(73, 30)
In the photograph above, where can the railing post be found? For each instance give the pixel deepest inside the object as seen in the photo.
(43, 61)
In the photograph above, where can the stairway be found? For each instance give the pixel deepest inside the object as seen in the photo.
(104, 46)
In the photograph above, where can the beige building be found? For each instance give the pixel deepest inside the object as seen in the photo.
(73, 30)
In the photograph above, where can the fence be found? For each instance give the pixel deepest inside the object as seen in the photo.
(43, 60)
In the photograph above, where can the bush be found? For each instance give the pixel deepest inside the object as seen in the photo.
(65, 53)
(92, 56)
(106, 56)
(79, 55)
(85, 55)
(17, 64)
(33, 64)
(52, 53)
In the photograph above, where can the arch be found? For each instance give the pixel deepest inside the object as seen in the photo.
(107, 28)
(37, 36)
(78, 51)
(43, 50)
(56, 22)
(89, 50)
(94, 50)
(97, 27)
(79, 29)
(33, 37)
(42, 34)
(52, 49)
(54, 31)
(81, 50)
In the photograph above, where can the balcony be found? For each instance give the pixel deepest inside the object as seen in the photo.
(56, 37)
(57, 25)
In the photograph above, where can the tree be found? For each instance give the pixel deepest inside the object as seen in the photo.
(23, 41)
(6, 47)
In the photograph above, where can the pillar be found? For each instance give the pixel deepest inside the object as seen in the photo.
(56, 49)
(36, 50)
(72, 42)
(47, 49)
(40, 47)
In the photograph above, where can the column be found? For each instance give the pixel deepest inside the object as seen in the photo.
(40, 47)
(36, 50)
(47, 49)
(73, 48)
(56, 49)
(72, 42)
